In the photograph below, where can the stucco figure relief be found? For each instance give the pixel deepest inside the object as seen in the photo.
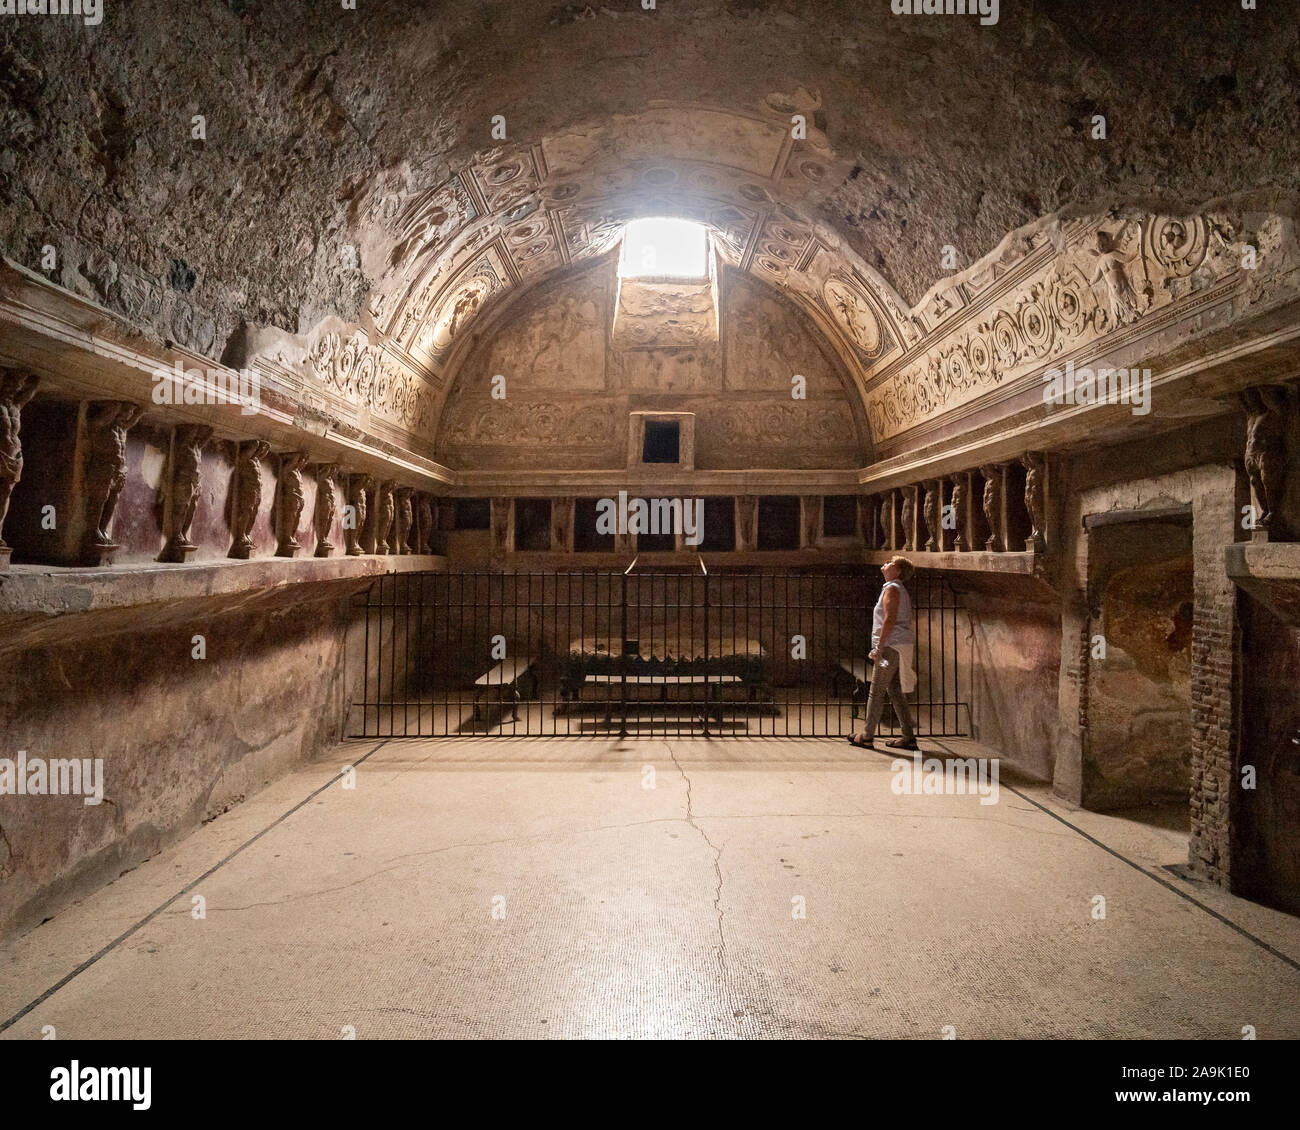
(993, 484)
(326, 507)
(384, 514)
(962, 521)
(107, 422)
(746, 522)
(854, 314)
(246, 496)
(182, 490)
(887, 505)
(353, 531)
(933, 507)
(1115, 264)
(425, 509)
(289, 503)
(1035, 499)
(1107, 276)
(908, 518)
(404, 520)
(1268, 415)
(17, 387)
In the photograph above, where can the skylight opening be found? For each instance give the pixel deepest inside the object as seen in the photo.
(664, 249)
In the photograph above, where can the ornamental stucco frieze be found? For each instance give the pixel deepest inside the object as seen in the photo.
(1109, 275)
(370, 377)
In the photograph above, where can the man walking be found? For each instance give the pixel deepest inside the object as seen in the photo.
(893, 643)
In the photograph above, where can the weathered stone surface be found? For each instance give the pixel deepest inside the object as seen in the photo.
(39, 606)
(268, 693)
(339, 135)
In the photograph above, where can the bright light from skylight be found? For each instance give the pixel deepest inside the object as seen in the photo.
(662, 248)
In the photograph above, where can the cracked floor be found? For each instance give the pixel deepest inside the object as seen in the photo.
(554, 888)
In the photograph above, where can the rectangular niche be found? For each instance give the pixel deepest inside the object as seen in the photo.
(585, 537)
(1019, 524)
(472, 514)
(653, 438)
(662, 442)
(532, 524)
(840, 516)
(778, 522)
(719, 526)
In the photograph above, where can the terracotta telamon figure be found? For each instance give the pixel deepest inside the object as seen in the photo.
(959, 509)
(17, 387)
(358, 485)
(500, 524)
(246, 497)
(746, 521)
(562, 524)
(1266, 422)
(426, 524)
(932, 507)
(405, 518)
(1035, 470)
(290, 501)
(867, 520)
(187, 462)
(887, 521)
(992, 473)
(107, 423)
(811, 512)
(909, 517)
(326, 507)
(384, 516)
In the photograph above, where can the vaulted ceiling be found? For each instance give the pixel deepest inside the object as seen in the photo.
(348, 168)
(507, 223)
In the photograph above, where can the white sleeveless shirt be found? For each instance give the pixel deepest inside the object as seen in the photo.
(902, 633)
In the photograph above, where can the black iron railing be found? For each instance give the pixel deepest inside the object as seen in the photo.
(756, 653)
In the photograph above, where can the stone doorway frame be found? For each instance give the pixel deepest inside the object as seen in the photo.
(1214, 493)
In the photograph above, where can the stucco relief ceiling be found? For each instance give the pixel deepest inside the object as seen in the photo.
(928, 141)
(444, 256)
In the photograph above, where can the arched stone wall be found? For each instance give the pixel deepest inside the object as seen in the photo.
(568, 390)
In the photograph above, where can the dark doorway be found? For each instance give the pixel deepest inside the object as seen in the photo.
(1137, 743)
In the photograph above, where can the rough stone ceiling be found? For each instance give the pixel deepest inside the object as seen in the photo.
(329, 128)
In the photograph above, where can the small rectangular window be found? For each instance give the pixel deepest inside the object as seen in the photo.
(658, 247)
(662, 443)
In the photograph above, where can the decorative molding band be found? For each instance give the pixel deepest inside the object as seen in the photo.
(85, 351)
(1112, 277)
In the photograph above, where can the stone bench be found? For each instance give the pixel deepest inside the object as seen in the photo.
(710, 708)
(511, 680)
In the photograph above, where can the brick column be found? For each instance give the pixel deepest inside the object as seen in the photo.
(1216, 682)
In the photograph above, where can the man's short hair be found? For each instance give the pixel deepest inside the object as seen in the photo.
(905, 567)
